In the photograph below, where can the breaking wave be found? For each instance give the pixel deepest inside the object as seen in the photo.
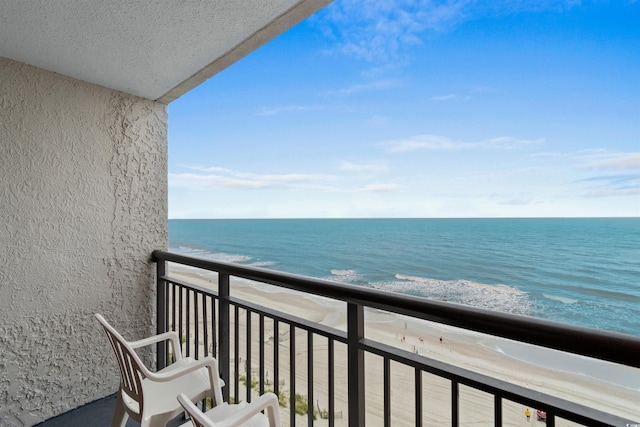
(345, 276)
(564, 300)
(493, 297)
(213, 256)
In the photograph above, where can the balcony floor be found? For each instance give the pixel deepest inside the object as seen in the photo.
(99, 413)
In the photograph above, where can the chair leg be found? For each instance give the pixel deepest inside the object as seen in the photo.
(120, 415)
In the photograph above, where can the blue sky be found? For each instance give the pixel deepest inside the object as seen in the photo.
(395, 108)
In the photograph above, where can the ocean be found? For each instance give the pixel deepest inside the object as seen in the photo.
(581, 271)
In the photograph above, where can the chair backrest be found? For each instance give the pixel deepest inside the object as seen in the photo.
(131, 368)
(196, 416)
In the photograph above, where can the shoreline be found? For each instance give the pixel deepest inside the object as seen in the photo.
(466, 349)
(607, 372)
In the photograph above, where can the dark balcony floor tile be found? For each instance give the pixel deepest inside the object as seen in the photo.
(95, 414)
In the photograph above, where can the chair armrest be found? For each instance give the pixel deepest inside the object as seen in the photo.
(208, 362)
(166, 336)
(205, 362)
(268, 401)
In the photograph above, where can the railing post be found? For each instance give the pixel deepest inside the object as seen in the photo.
(386, 373)
(355, 332)
(224, 355)
(418, 396)
(455, 403)
(332, 375)
(161, 313)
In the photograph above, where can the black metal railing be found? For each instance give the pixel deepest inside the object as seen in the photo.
(211, 321)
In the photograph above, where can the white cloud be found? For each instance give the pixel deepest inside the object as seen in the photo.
(620, 162)
(381, 31)
(442, 143)
(369, 167)
(611, 185)
(270, 177)
(209, 169)
(516, 200)
(295, 177)
(377, 31)
(613, 192)
(421, 142)
(272, 111)
(371, 86)
(379, 188)
(508, 142)
(450, 97)
(483, 89)
(217, 177)
(190, 180)
(618, 174)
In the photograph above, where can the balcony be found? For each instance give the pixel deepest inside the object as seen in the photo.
(362, 372)
(356, 356)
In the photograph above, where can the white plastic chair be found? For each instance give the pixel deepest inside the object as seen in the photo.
(150, 397)
(242, 414)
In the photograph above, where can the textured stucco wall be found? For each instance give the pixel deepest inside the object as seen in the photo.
(83, 202)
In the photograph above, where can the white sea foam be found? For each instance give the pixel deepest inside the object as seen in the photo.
(344, 276)
(561, 299)
(493, 297)
(214, 256)
(261, 263)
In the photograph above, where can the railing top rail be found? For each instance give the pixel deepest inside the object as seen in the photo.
(603, 345)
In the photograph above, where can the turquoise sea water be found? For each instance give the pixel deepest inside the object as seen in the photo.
(577, 271)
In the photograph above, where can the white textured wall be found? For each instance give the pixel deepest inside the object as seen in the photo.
(83, 202)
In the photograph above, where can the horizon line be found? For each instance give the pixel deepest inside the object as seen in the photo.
(410, 217)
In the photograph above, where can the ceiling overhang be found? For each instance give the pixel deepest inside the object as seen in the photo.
(153, 49)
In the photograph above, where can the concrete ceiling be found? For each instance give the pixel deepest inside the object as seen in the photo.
(156, 49)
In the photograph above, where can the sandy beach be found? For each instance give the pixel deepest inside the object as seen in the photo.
(461, 348)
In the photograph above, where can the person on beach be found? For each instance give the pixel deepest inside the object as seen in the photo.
(527, 413)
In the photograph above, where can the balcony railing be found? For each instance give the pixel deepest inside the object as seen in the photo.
(211, 320)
